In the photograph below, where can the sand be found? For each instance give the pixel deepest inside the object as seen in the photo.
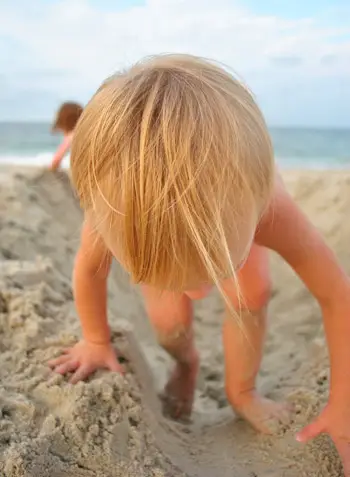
(112, 426)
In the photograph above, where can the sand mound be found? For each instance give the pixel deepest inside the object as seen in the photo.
(112, 426)
(48, 427)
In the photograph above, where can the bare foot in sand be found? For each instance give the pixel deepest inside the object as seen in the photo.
(178, 394)
(265, 415)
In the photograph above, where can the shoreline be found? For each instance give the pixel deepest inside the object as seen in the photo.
(283, 169)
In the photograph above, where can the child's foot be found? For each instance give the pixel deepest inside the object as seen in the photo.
(264, 415)
(178, 394)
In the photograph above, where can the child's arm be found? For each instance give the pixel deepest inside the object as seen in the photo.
(94, 351)
(286, 230)
(91, 270)
(61, 152)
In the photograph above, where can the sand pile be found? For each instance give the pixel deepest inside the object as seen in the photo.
(112, 426)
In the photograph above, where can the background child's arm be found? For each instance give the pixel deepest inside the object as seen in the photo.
(95, 350)
(286, 230)
(61, 152)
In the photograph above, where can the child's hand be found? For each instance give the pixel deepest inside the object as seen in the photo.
(54, 165)
(335, 421)
(85, 358)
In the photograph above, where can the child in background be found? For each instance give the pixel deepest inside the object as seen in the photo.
(65, 122)
(174, 168)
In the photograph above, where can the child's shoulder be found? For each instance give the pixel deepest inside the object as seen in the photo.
(279, 207)
(92, 247)
(90, 239)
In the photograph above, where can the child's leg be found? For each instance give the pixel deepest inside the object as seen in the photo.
(171, 316)
(244, 341)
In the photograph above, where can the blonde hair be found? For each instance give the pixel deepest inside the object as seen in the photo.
(171, 155)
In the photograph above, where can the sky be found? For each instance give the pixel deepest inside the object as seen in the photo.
(294, 56)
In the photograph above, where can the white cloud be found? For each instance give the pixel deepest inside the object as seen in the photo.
(69, 47)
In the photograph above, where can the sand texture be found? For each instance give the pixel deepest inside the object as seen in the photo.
(112, 426)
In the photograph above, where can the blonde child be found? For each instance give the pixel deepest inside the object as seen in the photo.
(174, 168)
(66, 119)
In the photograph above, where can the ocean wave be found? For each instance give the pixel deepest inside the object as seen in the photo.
(43, 159)
(39, 159)
(313, 163)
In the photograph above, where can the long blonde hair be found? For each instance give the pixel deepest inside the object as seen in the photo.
(171, 156)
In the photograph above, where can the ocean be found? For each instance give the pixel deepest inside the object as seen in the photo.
(33, 144)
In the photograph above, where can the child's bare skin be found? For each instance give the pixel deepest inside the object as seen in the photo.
(242, 365)
(173, 165)
(290, 234)
(242, 359)
(178, 394)
(94, 351)
(171, 315)
(61, 151)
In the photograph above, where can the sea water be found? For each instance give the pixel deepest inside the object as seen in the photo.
(33, 144)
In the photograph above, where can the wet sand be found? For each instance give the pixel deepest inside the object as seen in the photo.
(110, 426)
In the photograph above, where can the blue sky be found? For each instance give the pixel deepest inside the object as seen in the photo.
(295, 56)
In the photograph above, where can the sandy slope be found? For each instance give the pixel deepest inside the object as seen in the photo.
(110, 427)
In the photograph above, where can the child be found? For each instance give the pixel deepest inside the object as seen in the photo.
(174, 168)
(65, 122)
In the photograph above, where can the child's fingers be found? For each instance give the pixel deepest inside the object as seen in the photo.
(67, 367)
(81, 374)
(66, 350)
(114, 365)
(53, 363)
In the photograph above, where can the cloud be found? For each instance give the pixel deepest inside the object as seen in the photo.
(329, 59)
(285, 61)
(68, 47)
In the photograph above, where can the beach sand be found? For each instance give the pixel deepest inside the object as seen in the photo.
(110, 426)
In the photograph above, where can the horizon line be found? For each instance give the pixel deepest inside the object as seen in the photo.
(270, 126)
